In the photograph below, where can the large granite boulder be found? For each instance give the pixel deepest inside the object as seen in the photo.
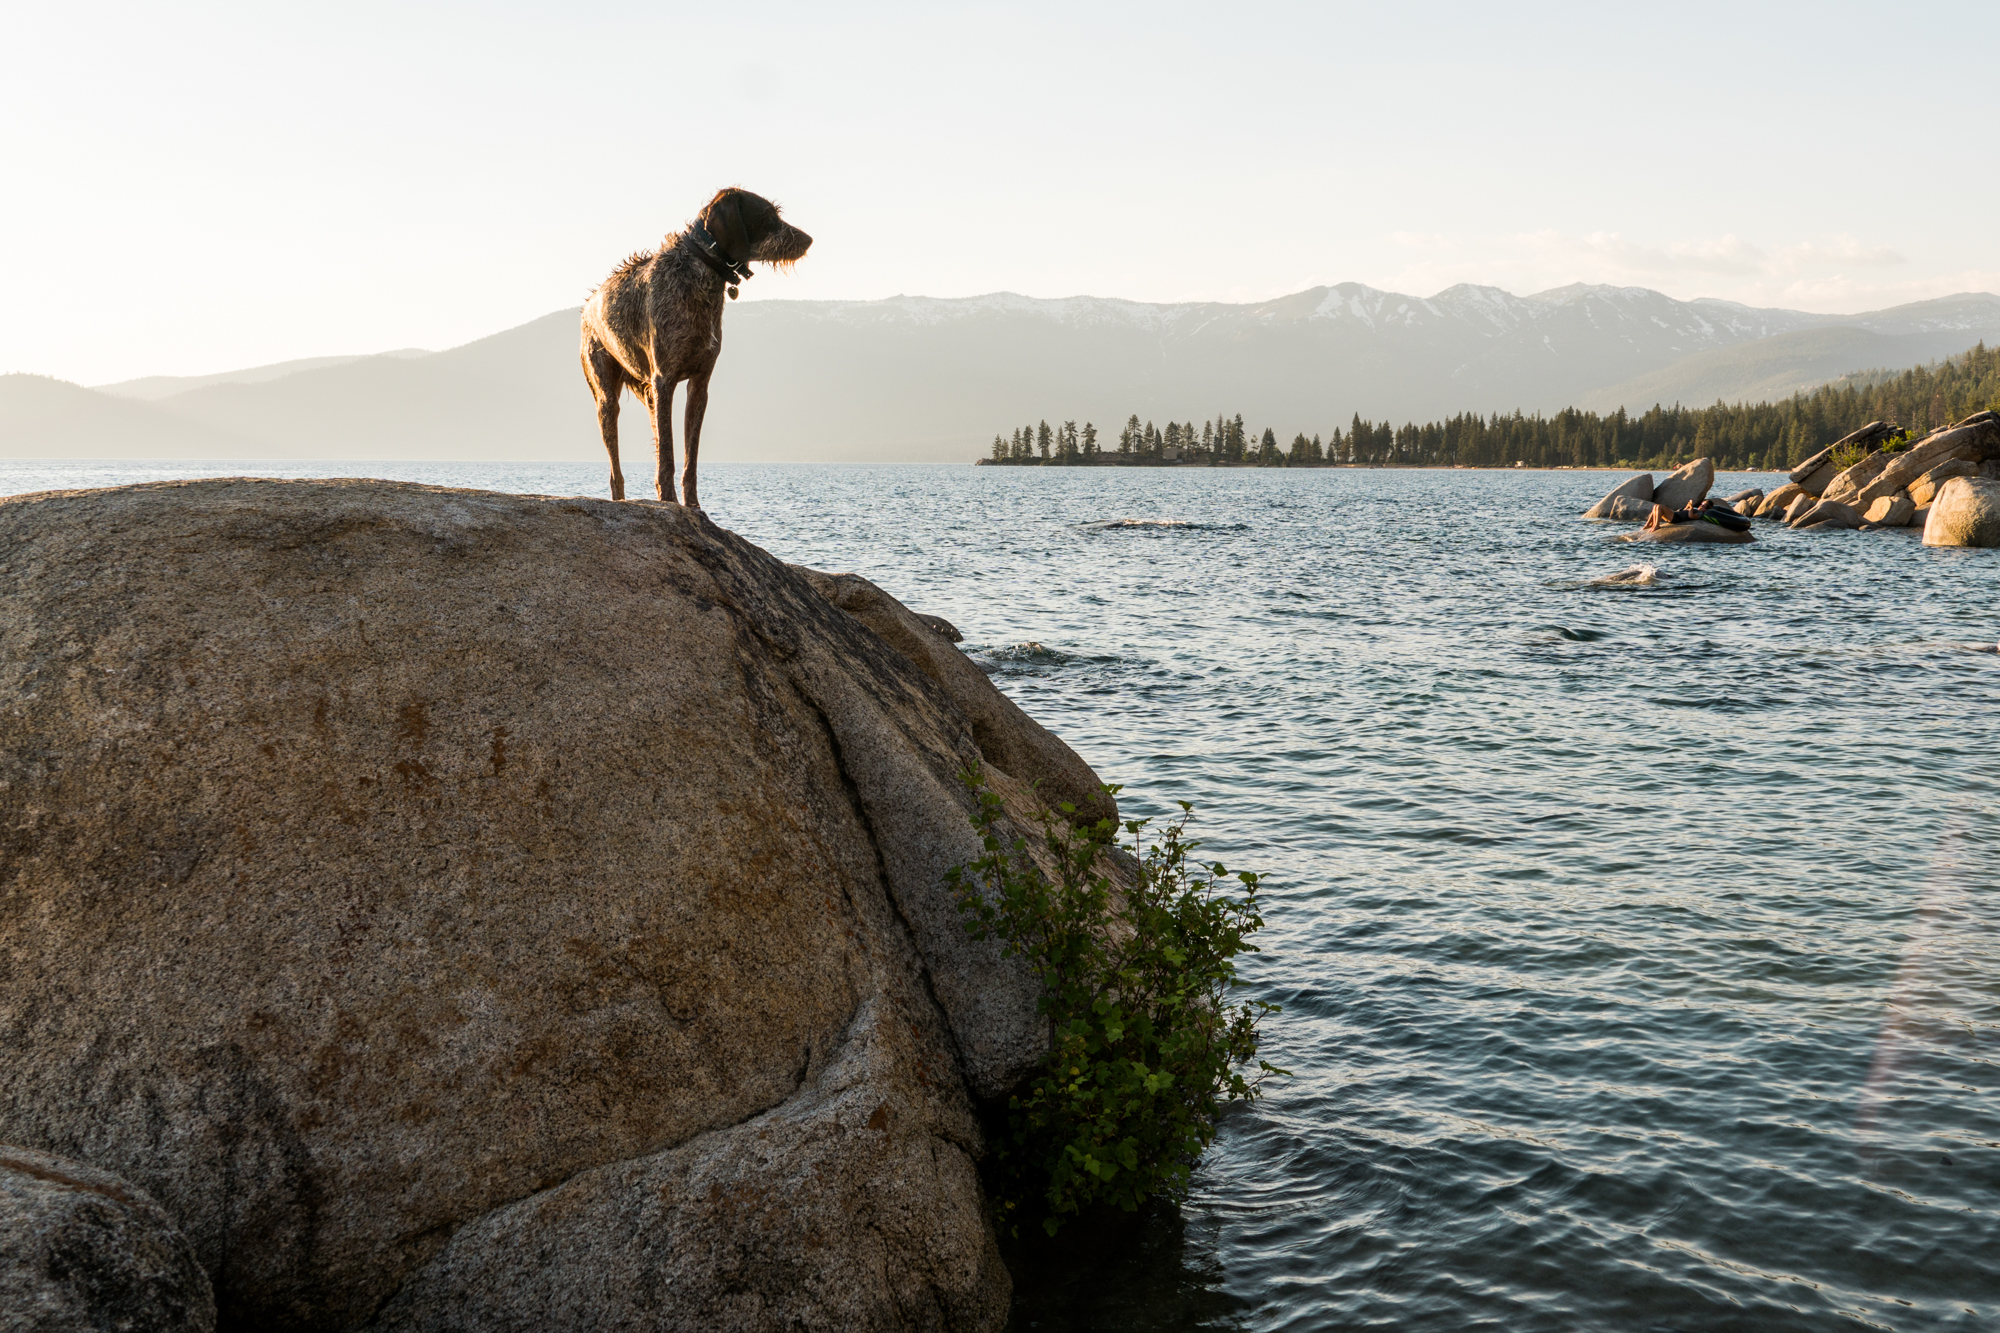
(82, 1250)
(1638, 489)
(1801, 502)
(1815, 482)
(1685, 484)
(1925, 488)
(1775, 504)
(1847, 486)
(1007, 737)
(1828, 514)
(441, 900)
(1820, 466)
(1626, 509)
(1966, 512)
(1825, 482)
(1890, 511)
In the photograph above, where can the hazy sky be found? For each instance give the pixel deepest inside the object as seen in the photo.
(196, 187)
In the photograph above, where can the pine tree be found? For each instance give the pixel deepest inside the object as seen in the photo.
(1044, 440)
(1090, 441)
(999, 448)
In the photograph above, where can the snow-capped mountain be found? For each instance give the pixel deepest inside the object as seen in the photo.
(913, 378)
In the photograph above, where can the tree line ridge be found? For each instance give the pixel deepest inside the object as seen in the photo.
(1767, 436)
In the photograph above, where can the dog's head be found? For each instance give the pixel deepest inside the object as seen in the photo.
(747, 226)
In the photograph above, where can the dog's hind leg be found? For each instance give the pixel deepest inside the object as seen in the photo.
(697, 407)
(607, 382)
(663, 437)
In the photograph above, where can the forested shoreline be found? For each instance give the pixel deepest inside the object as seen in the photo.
(1738, 437)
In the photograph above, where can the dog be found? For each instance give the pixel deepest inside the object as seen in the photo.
(657, 320)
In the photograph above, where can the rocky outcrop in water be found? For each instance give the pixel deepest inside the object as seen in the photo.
(1828, 514)
(82, 1250)
(1812, 475)
(1898, 484)
(1965, 513)
(1775, 504)
(1925, 488)
(1890, 511)
(1636, 490)
(1685, 484)
(468, 910)
(1632, 500)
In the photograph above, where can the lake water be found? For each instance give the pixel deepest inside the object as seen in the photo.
(1639, 945)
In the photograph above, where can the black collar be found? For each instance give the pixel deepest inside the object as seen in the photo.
(729, 271)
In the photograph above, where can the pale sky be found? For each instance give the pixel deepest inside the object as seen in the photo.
(192, 188)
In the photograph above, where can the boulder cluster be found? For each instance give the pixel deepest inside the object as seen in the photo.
(1946, 484)
(1633, 499)
(433, 910)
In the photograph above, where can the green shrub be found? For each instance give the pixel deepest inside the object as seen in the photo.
(1893, 443)
(1146, 1047)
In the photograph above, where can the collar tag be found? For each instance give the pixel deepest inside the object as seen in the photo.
(730, 271)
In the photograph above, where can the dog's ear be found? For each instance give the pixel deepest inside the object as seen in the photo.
(728, 226)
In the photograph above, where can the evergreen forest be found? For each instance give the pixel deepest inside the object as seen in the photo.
(1739, 437)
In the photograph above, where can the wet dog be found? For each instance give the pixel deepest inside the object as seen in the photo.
(657, 320)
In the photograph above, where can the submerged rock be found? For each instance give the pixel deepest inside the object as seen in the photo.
(1966, 512)
(1685, 484)
(516, 906)
(1639, 489)
(82, 1250)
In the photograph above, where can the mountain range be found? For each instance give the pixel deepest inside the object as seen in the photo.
(922, 379)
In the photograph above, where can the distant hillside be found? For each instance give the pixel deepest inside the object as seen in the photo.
(1766, 436)
(48, 418)
(922, 379)
(152, 387)
(1776, 367)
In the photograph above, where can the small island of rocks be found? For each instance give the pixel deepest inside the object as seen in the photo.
(1946, 486)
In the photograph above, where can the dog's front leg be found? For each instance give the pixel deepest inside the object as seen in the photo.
(663, 437)
(697, 405)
